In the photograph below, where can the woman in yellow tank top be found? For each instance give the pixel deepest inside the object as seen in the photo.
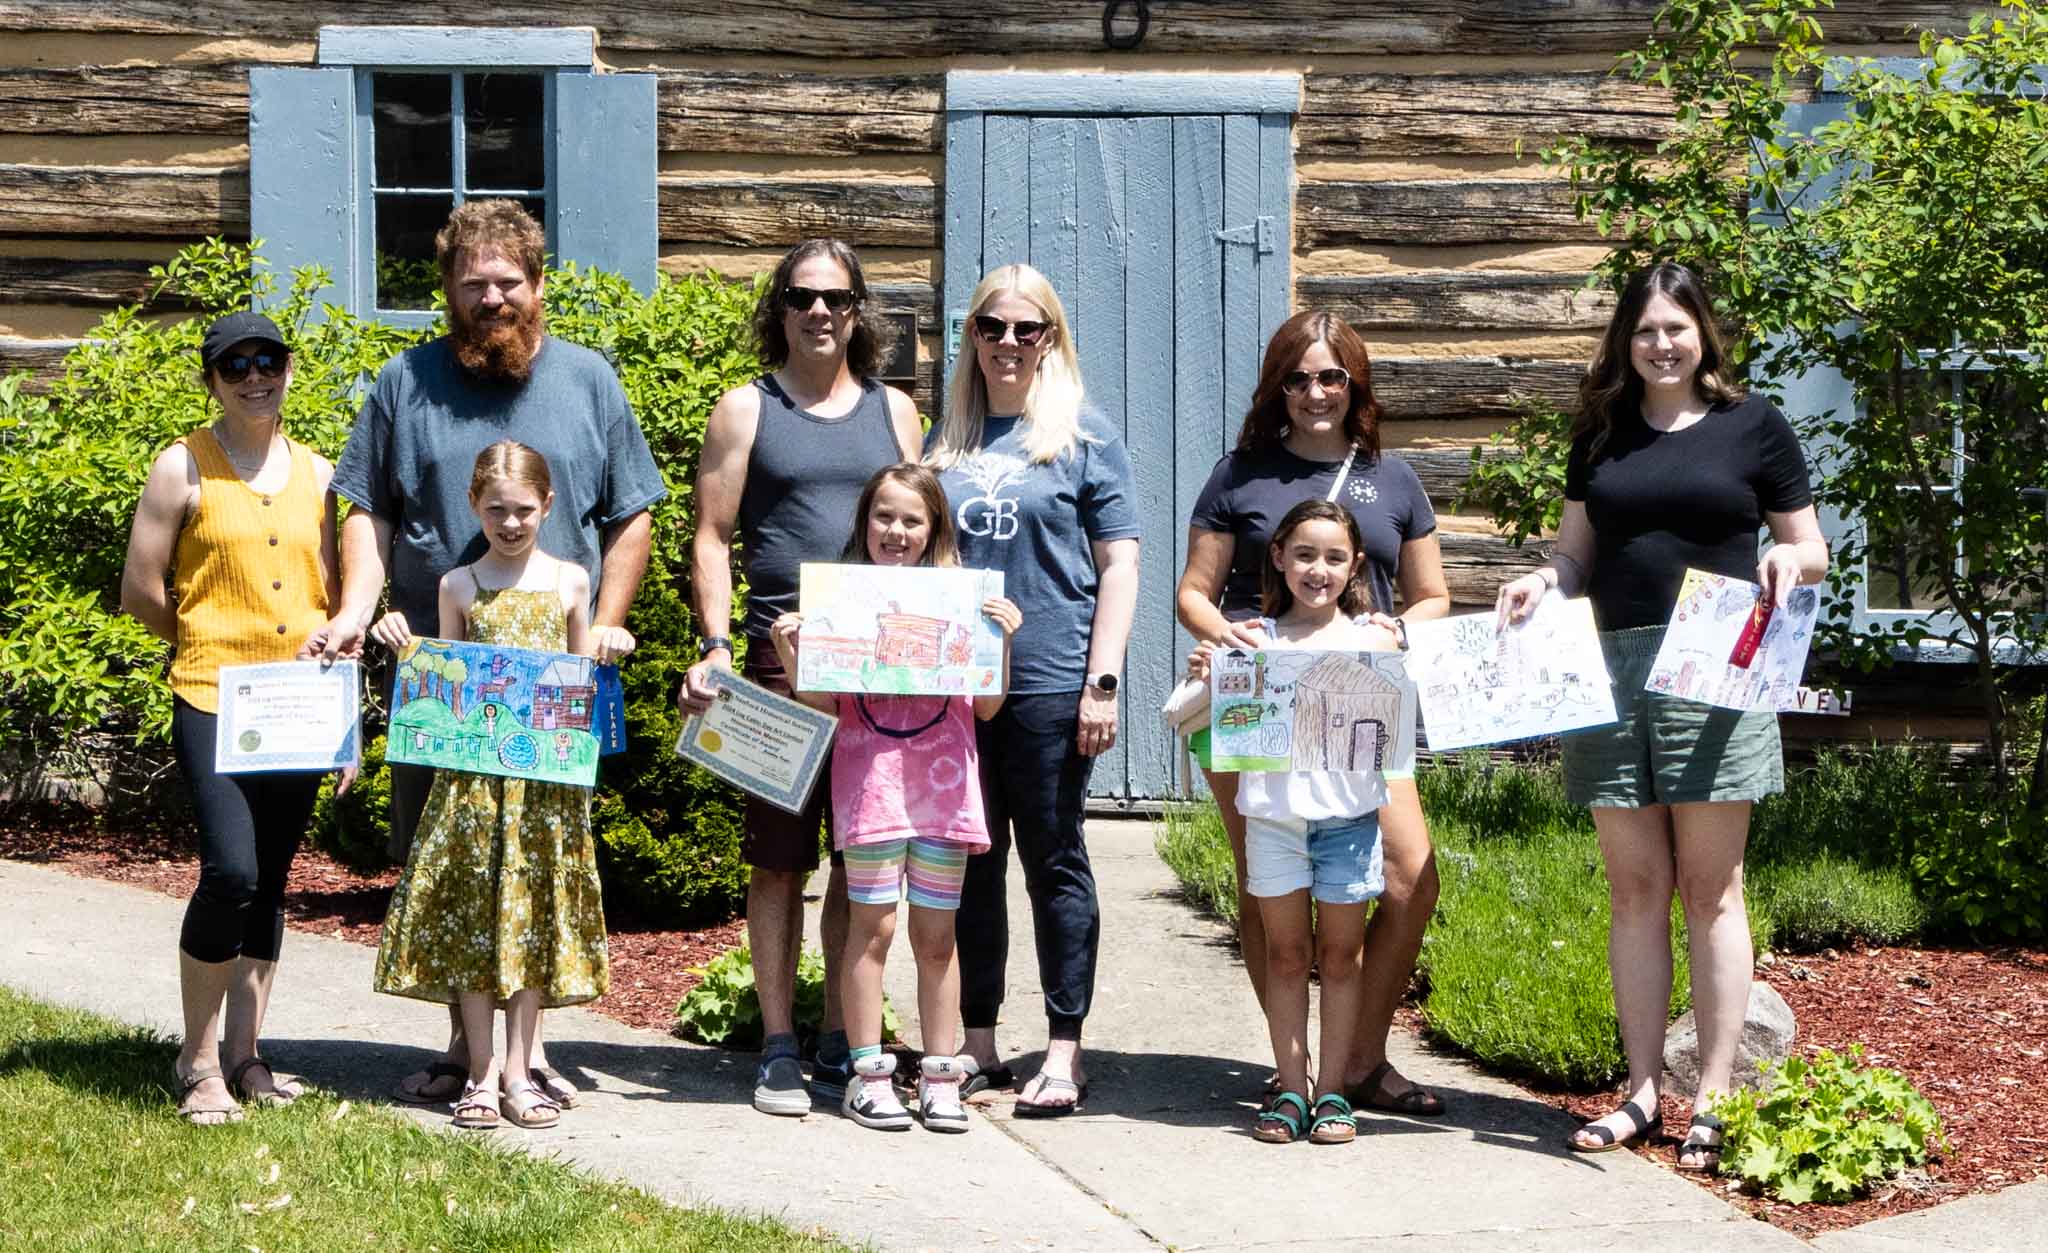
(240, 519)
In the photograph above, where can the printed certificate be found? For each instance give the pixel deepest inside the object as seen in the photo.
(760, 742)
(289, 715)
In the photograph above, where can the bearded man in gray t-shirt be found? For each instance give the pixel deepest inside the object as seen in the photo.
(496, 375)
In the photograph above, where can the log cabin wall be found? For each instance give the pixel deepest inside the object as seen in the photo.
(1420, 211)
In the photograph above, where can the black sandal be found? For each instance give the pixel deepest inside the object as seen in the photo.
(1707, 1151)
(1646, 1126)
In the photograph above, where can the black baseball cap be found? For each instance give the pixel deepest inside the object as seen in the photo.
(233, 329)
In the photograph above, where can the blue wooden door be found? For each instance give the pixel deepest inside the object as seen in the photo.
(1167, 238)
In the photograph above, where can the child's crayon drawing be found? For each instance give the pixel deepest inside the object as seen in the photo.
(1479, 685)
(1310, 709)
(914, 630)
(1727, 646)
(492, 709)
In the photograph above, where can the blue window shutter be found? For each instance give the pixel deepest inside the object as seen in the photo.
(302, 192)
(606, 205)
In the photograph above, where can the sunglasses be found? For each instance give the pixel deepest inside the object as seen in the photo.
(800, 299)
(1334, 379)
(992, 329)
(234, 367)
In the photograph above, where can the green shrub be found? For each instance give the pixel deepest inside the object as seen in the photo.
(1830, 900)
(1489, 798)
(725, 1009)
(1827, 1129)
(355, 829)
(1191, 841)
(1984, 873)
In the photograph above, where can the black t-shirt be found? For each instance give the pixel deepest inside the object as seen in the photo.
(1249, 492)
(1662, 501)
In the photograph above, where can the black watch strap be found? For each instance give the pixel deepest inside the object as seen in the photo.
(708, 644)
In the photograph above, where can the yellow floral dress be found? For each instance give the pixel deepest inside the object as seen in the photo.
(501, 892)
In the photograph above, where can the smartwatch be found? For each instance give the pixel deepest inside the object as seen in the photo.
(707, 644)
(1104, 683)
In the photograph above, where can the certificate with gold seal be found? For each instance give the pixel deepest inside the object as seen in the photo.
(289, 715)
(759, 742)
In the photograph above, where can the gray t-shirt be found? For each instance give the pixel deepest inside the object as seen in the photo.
(415, 442)
(1035, 523)
(1249, 492)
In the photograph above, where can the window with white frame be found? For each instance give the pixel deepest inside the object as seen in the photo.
(356, 163)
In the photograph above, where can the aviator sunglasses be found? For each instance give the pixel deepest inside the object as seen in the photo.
(992, 329)
(1334, 379)
(234, 367)
(800, 299)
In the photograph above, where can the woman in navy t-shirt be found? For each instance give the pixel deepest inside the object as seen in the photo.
(1313, 433)
(1672, 466)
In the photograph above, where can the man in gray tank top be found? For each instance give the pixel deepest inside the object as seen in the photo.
(785, 458)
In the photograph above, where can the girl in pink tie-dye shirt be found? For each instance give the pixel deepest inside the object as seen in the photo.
(906, 814)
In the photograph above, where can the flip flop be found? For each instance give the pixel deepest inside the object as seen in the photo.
(1052, 1083)
(1371, 1093)
(282, 1091)
(558, 1089)
(1000, 1079)
(430, 1092)
(188, 1085)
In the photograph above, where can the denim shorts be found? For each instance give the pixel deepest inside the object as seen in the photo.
(1666, 751)
(1337, 859)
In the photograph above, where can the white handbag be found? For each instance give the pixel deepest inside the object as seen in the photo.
(1187, 709)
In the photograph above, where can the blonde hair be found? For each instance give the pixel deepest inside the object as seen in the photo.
(510, 459)
(1051, 424)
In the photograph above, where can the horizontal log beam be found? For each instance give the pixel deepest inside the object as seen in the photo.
(851, 28)
(1469, 387)
(1438, 211)
(1443, 471)
(1382, 115)
(125, 100)
(1475, 566)
(751, 213)
(42, 358)
(78, 281)
(160, 202)
(798, 114)
(1466, 300)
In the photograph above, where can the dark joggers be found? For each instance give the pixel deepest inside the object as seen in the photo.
(1034, 782)
(249, 830)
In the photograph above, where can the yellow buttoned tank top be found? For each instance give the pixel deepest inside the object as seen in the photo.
(247, 571)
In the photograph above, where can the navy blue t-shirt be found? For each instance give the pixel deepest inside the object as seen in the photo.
(1249, 492)
(1035, 523)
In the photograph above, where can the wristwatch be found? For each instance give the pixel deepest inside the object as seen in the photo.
(708, 644)
(1104, 683)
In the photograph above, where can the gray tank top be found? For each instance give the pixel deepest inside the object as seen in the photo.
(804, 477)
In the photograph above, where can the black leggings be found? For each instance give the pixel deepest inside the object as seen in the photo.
(249, 830)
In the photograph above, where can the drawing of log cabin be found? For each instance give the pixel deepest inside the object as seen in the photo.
(564, 696)
(1345, 715)
(909, 639)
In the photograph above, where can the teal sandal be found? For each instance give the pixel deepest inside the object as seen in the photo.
(1340, 1127)
(1275, 1124)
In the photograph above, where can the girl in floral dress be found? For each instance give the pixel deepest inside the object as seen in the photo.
(499, 902)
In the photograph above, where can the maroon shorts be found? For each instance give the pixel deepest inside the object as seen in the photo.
(774, 838)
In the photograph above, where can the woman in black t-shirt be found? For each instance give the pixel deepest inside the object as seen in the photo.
(1672, 466)
(1313, 433)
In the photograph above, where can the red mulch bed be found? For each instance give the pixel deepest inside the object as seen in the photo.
(1968, 1027)
(650, 965)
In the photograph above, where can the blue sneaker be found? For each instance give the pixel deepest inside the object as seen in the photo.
(779, 1087)
(829, 1079)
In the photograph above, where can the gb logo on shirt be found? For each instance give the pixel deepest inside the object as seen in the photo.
(990, 515)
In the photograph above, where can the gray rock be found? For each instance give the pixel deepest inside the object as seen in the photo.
(1767, 1032)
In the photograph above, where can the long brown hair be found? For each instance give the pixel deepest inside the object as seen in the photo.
(941, 549)
(873, 336)
(1612, 391)
(1276, 597)
(1265, 424)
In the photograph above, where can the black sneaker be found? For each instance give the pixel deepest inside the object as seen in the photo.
(829, 1079)
(779, 1087)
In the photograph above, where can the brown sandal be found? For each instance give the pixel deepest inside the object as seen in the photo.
(1371, 1093)
(187, 1085)
(282, 1091)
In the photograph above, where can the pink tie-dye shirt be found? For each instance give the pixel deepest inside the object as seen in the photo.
(885, 788)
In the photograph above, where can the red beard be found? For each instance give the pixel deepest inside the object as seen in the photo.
(499, 349)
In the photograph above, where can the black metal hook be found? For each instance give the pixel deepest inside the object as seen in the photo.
(1124, 43)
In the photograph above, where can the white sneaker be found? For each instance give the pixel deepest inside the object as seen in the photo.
(938, 1094)
(871, 1097)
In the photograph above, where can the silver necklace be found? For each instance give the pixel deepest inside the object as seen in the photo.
(242, 467)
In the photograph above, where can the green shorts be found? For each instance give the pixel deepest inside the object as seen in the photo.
(1198, 744)
(1666, 751)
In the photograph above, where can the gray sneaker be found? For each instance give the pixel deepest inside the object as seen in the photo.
(779, 1087)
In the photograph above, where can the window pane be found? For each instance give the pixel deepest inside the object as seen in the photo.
(502, 115)
(406, 274)
(537, 207)
(413, 133)
(1901, 570)
(1928, 399)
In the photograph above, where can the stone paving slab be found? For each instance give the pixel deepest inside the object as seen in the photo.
(2012, 1221)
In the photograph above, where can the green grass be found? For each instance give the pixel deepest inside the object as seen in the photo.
(97, 1160)
(1191, 842)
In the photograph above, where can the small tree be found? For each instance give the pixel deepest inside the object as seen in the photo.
(1903, 245)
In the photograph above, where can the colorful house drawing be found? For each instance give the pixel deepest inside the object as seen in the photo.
(563, 695)
(909, 639)
(846, 651)
(1345, 715)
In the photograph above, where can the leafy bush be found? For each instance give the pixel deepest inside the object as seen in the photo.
(355, 829)
(1807, 905)
(1984, 872)
(1488, 798)
(725, 1009)
(1827, 1129)
(81, 684)
(1192, 843)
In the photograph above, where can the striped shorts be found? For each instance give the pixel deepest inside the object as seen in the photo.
(926, 871)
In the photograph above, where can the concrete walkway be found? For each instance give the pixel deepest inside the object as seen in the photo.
(1161, 1157)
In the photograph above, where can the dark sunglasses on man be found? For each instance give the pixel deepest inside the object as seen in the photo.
(992, 329)
(1295, 382)
(800, 299)
(234, 367)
